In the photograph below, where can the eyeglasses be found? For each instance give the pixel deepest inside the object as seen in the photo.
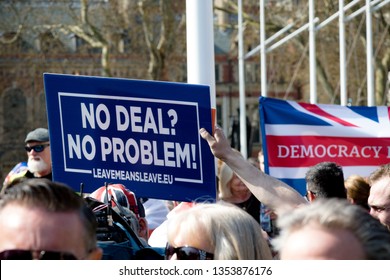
(35, 255)
(187, 253)
(36, 148)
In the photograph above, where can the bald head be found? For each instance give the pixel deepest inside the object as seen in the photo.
(314, 242)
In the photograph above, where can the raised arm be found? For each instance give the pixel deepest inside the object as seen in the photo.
(274, 193)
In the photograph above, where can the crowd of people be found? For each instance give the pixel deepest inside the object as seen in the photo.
(338, 218)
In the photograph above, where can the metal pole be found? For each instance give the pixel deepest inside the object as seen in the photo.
(269, 40)
(335, 15)
(370, 60)
(200, 45)
(243, 138)
(312, 52)
(225, 113)
(200, 49)
(263, 56)
(290, 36)
(343, 64)
(364, 8)
(380, 5)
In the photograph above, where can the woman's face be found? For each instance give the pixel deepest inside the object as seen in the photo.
(185, 237)
(236, 185)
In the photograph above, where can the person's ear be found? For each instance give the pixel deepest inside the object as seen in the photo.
(95, 254)
(143, 228)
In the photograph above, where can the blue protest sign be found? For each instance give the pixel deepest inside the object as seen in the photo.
(142, 134)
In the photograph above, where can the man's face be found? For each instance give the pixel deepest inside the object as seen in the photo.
(379, 201)
(39, 163)
(36, 229)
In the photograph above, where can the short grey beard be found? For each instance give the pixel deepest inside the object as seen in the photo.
(36, 166)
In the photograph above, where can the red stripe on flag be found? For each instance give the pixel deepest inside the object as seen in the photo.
(317, 110)
(305, 151)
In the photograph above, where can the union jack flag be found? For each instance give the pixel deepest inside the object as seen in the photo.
(296, 136)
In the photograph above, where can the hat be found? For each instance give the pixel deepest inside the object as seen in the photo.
(122, 196)
(39, 135)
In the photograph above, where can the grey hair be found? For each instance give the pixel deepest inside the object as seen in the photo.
(337, 214)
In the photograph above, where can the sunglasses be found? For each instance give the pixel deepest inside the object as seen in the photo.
(187, 253)
(37, 148)
(35, 255)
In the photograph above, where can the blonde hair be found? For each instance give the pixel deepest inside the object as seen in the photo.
(225, 176)
(358, 190)
(231, 231)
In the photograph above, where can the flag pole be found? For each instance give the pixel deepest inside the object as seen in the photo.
(200, 50)
(312, 54)
(369, 53)
(343, 62)
(200, 47)
(241, 73)
(263, 51)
